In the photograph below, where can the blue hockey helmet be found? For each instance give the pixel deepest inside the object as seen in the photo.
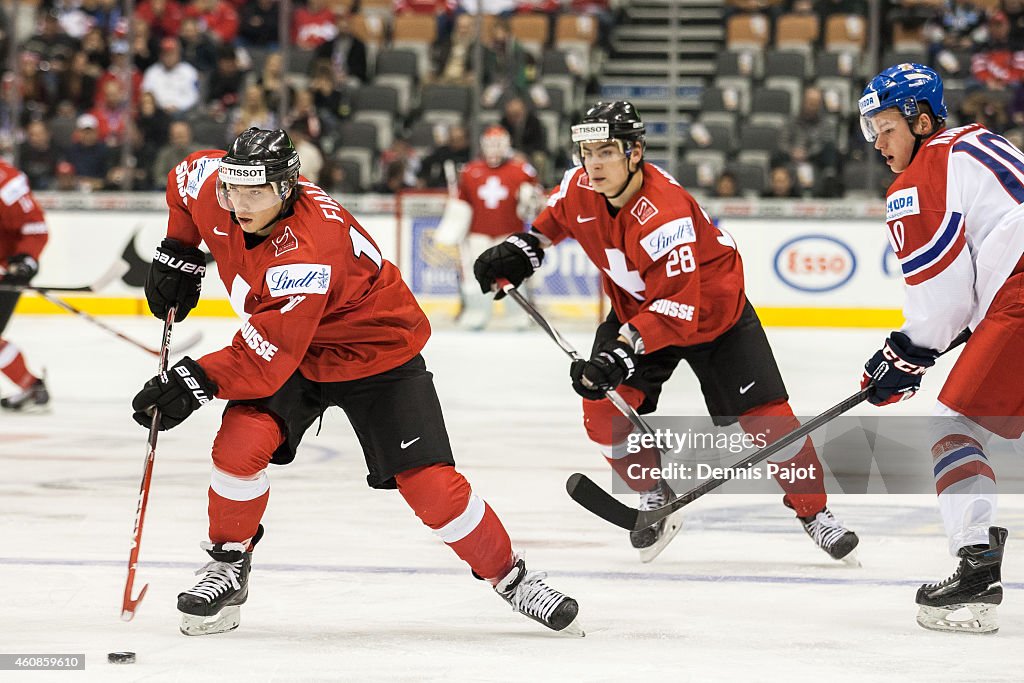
(902, 87)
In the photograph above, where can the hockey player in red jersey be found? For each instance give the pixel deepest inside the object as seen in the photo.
(676, 286)
(502, 194)
(326, 322)
(23, 235)
(956, 223)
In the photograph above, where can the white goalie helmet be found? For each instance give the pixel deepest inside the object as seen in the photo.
(495, 145)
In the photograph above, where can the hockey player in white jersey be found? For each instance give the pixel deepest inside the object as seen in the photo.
(955, 218)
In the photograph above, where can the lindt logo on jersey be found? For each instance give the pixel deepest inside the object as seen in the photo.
(299, 278)
(902, 203)
(668, 237)
(815, 263)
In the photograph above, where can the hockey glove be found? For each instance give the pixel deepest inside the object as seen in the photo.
(174, 279)
(177, 393)
(894, 372)
(515, 259)
(612, 364)
(20, 270)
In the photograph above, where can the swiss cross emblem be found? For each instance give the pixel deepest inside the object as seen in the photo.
(584, 182)
(285, 242)
(492, 192)
(643, 210)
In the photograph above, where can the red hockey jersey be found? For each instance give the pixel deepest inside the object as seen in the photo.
(493, 194)
(316, 295)
(668, 271)
(22, 225)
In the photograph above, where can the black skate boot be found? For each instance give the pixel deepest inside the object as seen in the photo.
(212, 605)
(34, 399)
(829, 534)
(529, 595)
(966, 601)
(652, 540)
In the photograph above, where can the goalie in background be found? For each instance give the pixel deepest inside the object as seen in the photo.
(497, 195)
(23, 235)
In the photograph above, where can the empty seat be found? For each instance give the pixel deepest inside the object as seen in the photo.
(771, 105)
(845, 64)
(357, 135)
(416, 32)
(531, 30)
(787, 63)
(299, 61)
(751, 178)
(378, 105)
(357, 160)
(797, 32)
(846, 32)
(747, 31)
(445, 103)
(720, 99)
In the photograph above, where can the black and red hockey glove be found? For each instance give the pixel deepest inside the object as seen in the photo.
(175, 278)
(894, 372)
(612, 364)
(177, 393)
(515, 259)
(20, 270)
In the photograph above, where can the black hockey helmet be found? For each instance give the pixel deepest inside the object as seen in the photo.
(260, 157)
(618, 120)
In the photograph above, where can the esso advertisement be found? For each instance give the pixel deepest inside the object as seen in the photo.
(815, 263)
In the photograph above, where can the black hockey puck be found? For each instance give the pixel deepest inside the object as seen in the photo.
(121, 657)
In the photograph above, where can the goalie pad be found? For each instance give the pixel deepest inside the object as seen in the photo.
(454, 223)
(530, 201)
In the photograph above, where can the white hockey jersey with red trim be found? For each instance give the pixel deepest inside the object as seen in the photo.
(670, 273)
(315, 295)
(956, 224)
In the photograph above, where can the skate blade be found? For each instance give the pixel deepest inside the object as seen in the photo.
(574, 629)
(673, 524)
(226, 620)
(852, 559)
(976, 618)
(30, 409)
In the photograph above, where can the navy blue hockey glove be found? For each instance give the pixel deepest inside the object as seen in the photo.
(175, 278)
(515, 259)
(20, 270)
(894, 372)
(177, 393)
(612, 364)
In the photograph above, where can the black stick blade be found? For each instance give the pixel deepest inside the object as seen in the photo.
(598, 501)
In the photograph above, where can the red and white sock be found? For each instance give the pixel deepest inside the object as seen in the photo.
(12, 364)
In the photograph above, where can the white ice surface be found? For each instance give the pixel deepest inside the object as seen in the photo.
(349, 586)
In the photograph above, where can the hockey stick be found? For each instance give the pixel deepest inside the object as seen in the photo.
(613, 396)
(113, 273)
(128, 604)
(187, 343)
(598, 501)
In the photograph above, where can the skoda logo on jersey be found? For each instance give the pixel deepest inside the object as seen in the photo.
(902, 203)
(243, 175)
(815, 263)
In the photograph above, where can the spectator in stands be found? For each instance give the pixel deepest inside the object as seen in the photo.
(163, 16)
(393, 180)
(508, 68)
(222, 90)
(333, 99)
(311, 159)
(217, 18)
(313, 25)
(453, 58)
(251, 111)
(151, 132)
(781, 184)
(94, 45)
(174, 83)
(144, 46)
(345, 52)
(113, 113)
(811, 138)
(88, 154)
(995, 72)
(1014, 11)
(602, 12)
(67, 179)
(528, 136)
(78, 84)
(38, 89)
(273, 82)
(827, 8)
(444, 10)
(38, 158)
(726, 185)
(51, 43)
(258, 27)
(455, 148)
(334, 179)
(304, 117)
(197, 48)
(103, 15)
(121, 68)
(179, 146)
(401, 151)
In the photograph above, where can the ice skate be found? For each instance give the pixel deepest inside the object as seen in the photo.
(829, 534)
(530, 596)
(213, 604)
(34, 399)
(966, 601)
(652, 540)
